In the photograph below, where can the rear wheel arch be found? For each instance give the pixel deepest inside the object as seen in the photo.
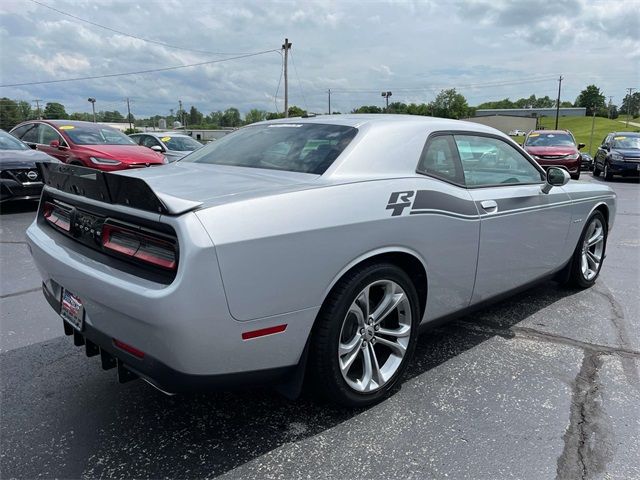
(405, 259)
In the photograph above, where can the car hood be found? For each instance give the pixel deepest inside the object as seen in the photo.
(184, 185)
(628, 152)
(23, 158)
(559, 150)
(125, 153)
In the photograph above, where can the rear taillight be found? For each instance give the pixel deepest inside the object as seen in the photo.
(139, 246)
(58, 216)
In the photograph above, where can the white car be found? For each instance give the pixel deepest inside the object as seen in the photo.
(517, 133)
(174, 145)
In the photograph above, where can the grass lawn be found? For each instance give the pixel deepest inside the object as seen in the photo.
(581, 129)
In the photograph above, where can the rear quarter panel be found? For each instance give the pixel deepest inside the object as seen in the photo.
(283, 253)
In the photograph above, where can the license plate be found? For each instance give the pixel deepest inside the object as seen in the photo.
(72, 310)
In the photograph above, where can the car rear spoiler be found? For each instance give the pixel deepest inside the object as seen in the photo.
(111, 188)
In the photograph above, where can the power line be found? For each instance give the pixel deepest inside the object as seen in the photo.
(134, 36)
(304, 99)
(430, 88)
(140, 72)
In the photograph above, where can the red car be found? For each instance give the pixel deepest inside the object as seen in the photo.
(555, 148)
(84, 143)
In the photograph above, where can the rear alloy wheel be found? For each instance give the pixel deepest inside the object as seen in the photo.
(365, 336)
(589, 253)
(607, 173)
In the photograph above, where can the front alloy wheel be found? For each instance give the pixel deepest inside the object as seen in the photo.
(590, 252)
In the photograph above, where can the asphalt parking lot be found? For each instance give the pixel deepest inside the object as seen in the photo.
(543, 385)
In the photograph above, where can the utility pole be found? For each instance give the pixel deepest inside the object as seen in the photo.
(609, 108)
(629, 103)
(93, 106)
(329, 92)
(593, 123)
(129, 114)
(38, 100)
(181, 112)
(558, 101)
(286, 46)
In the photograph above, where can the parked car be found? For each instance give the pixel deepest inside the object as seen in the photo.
(619, 154)
(173, 145)
(316, 245)
(19, 176)
(586, 162)
(555, 148)
(84, 143)
(517, 133)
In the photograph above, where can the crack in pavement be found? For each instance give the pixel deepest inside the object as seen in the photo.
(588, 440)
(15, 294)
(533, 334)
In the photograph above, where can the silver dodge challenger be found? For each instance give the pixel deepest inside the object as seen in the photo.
(306, 249)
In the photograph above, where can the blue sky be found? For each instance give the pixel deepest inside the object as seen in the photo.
(488, 49)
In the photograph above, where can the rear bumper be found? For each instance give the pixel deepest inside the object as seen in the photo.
(189, 339)
(154, 371)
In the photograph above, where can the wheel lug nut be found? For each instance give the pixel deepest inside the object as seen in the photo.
(364, 344)
(373, 340)
(362, 331)
(377, 327)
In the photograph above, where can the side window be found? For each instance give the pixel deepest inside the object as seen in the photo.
(31, 134)
(149, 141)
(47, 135)
(136, 138)
(20, 131)
(439, 160)
(490, 161)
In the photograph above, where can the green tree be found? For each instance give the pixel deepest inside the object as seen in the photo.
(450, 104)
(9, 113)
(195, 117)
(397, 107)
(231, 118)
(254, 115)
(631, 104)
(110, 117)
(215, 118)
(55, 110)
(367, 109)
(295, 111)
(591, 98)
(24, 111)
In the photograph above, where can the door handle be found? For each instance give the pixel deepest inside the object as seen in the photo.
(489, 206)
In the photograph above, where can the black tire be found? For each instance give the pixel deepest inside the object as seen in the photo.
(576, 277)
(607, 173)
(576, 176)
(596, 171)
(324, 365)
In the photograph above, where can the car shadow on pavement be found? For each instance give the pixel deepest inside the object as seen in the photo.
(72, 420)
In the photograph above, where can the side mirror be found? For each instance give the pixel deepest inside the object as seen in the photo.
(556, 177)
(581, 145)
(604, 147)
(54, 143)
(157, 148)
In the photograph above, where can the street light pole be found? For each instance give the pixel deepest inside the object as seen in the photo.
(593, 122)
(93, 106)
(386, 96)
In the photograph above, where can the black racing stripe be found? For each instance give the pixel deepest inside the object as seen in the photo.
(516, 203)
(430, 200)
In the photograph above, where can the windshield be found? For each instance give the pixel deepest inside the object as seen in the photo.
(181, 144)
(550, 140)
(626, 142)
(295, 147)
(95, 135)
(9, 142)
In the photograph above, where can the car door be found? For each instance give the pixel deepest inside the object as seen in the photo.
(446, 223)
(601, 154)
(46, 135)
(522, 230)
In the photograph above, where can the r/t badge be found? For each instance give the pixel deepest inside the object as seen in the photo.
(398, 201)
